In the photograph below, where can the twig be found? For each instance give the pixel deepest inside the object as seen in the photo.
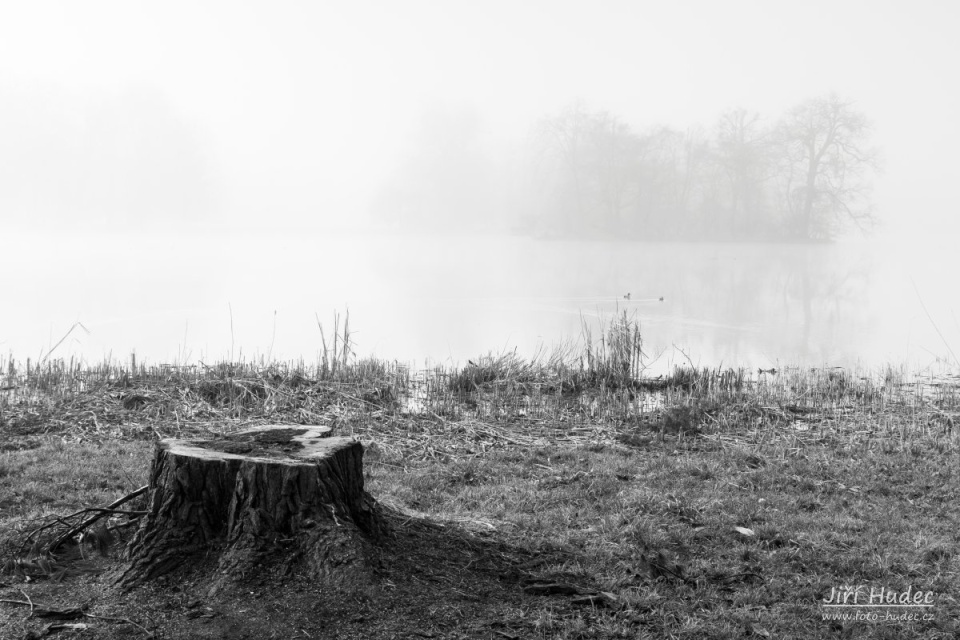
(72, 613)
(106, 510)
(47, 612)
(28, 600)
(687, 356)
(126, 620)
(56, 520)
(930, 318)
(65, 336)
(100, 513)
(26, 604)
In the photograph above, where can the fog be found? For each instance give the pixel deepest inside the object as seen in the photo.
(168, 165)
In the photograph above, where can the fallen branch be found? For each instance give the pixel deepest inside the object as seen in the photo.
(100, 512)
(70, 614)
(120, 512)
(149, 634)
(55, 521)
(48, 612)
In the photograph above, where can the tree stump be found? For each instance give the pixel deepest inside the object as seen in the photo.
(268, 496)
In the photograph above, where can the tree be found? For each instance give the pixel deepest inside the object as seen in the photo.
(613, 156)
(559, 151)
(586, 165)
(803, 178)
(741, 155)
(826, 163)
(670, 182)
(596, 173)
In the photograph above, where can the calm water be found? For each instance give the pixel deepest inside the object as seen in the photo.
(449, 299)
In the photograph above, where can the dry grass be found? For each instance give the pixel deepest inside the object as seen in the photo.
(708, 503)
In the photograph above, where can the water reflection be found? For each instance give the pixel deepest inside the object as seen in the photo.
(413, 298)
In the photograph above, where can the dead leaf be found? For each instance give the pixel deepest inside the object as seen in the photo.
(744, 531)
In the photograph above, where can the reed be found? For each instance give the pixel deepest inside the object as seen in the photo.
(646, 484)
(598, 382)
(335, 357)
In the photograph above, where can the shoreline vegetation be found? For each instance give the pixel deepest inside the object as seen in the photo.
(568, 495)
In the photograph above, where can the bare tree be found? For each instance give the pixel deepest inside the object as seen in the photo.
(587, 163)
(596, 173)
(742, 155)
(826, 165)
(560, 150)
(613, 155)
(670, 181)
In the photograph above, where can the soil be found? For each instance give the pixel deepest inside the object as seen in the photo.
(431, 581)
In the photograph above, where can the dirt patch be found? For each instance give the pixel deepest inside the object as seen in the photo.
(433, 581)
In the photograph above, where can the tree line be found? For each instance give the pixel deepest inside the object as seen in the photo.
(804, 176)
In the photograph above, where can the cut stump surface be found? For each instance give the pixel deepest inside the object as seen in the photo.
(287, 496)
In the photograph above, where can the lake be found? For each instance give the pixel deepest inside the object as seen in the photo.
(447, 299)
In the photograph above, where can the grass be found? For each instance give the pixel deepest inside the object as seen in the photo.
(704, 504)
(657, 528)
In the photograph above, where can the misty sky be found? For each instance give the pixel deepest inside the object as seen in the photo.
(299, 110)
(214, 116)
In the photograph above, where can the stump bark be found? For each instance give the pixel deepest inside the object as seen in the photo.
(268, 496)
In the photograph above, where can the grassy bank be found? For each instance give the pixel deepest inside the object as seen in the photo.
(567, 496)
